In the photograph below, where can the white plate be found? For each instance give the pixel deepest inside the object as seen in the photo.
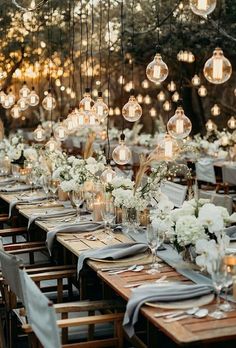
(193, 302)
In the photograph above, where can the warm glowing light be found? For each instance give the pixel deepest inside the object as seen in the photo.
(39, 134)
(108, 175)
(196, 80)
(210, 125)
(161, 96)
(179, 126)
(49, 102)
(217, 69)
(171, 86)
(157, 70)
(232, 122)
(52, 144)
(202, 91)
(215, 110)
(121, 154)
(202, 7)
(132, 111)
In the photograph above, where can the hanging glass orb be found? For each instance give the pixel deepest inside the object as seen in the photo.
(87, 102)
(100, 108)
(147, 99)
(11, 97)
(179, 126)
(33, 98)
(196, 80)
(215, 110)
(167, 105)
(69, 125)
(153, 112)
(91, 119)
(202, 91)
(139, 98)
(191, 57)
(59, 132)
(121, 154)
(175, 97)
(167, 149)
(157, 70)
(39, 134)
(49, 102)
(23, 104)
(108, 175)
(6, 103)
(224, 140)
(15, 112)
(161, 96)
(2, 97)
(117, 111)
(217, 69)
(132, 111)
(202, 7)
(24, 91)
(232, 122)
(52, 144)
(171, 86)
(145, 84)
(210, 125)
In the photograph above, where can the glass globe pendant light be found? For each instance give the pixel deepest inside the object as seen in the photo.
(217, 69)
(167, 105)
(2, 97)
(132, 111)
(39, 134)
(52, 144)
(202, 91)
(15, 112)
(121, 154)
(202, 7)
(23, 104)
(87, 102)
(49, 102)
(161, 96)
(33, 98)
(215, 110)
(171, 86)
(24, 91)
(196, 80)
(59, 132)
(157, 71)
(167, 149)
(179, 126)
(232, 122)
(6, 103)
(108, 174)
(100, 108)
(11, 97)
(175, 97)
(69, 125)
(210, 125)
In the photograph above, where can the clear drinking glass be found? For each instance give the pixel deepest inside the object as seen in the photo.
(45, 185)
(15, 169)
(218, 281)
(228, 281)
(108, 212)
(53, 187)
(155, 238)
(78, 199)
(231, 154)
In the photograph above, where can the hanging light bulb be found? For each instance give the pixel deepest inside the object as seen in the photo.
(117, 111)
(210, 125)
(121, 154)
(2, 97)
(69, 125)
(196, 80)
(91, 119)
(49, 102)
(87, 102)
(175, 97)
(60, 132)
(111, 112)
(217, 69)
(171, 86)
(33, 98)
(232, 122)
(39, 134)
(23, 104)
(52, 144)
(167, 105)
(157, 70)
(147, 100)
(224, 140)
(108, 175)
(153, 112)
(167, 149)
(234, 94)
(179, 126)
(132, 111)
(202, 91)
(100, 108)
(24, 91)
(161, 96)
(15, 112)
(6, 103)
(191, 57)
(202, 7)
(11, 97)
(139, 98)
(215, 110)
(145, 84)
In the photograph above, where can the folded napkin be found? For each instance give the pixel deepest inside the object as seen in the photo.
(231, 232)
(152, 293)
(49, 215)
(24, 200)
(114, 252)
(15, 188)
(79, 227)
(7, 181)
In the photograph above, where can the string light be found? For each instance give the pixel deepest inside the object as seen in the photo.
(217, 69)
(232, 122)
(202, 91)
(132, 111)
(215, 110)
(196, 80)
(122, 154)
(202, 7)
(39, 134)
(179, 126)
(157, 70)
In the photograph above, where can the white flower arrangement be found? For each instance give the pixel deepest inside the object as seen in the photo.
(12, 147)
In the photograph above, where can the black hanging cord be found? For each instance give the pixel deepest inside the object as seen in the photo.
(132, 43)
(81, 49)
(73, 48)
(91, 44)
(87, 49)
(108, 79)
(100, 42)
(122, 137)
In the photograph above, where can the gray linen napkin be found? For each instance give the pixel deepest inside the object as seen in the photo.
(231, 232)
(15, 188)
(83, 226)
(114, 252)
(46, 215)
(152, 293)
(24, 200)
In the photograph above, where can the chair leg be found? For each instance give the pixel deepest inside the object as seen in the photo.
(2, 337)
(119, 333)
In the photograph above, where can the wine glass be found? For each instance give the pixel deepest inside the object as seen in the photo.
(45, 185)
(130, 219)
(78, 199)
(155, 237)
(228, 281)
(218, 281)
(15, 169)
(231, 154)
(108, 212)
(53, 187)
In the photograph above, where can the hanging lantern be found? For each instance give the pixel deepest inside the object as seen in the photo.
(167, 149)
(100, 108)
(33, 98)
(161, 96)
(202, 7)
(121, 154)
(171, 86)
(87, 102)
(2, 97)
(215, 110)
(217, 69)
(59, 132)
(202, 91)
(232, 122)
(108, 175)
(210, 125)
(157, 70)
(15, 112)
(196, 80)
(23, 104)
(167, 105)
(175, 97)
(24, 91)
(179, 126)
(39, 134)
(132, 111)
(153, 112)
(52, 144)
(49, 102)
(11, 97)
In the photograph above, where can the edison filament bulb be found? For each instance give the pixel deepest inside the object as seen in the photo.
(179, 126)
(49, 102)
(24, 91)
(15, 112)
(210, 125)
(202, 91)
(6, 103)
(161, 96)
(33, 98)
(171, 86)
(108, 175)
(215, 110)
(217, 69)
(39, 133)
(100, 108)
(157, 71)
(23, 104)
(2, 97)
(52, 144)
(202, 7)
(121, 154)
(87, 102)
(232, 122)
(11, 97)
(196, 80)
(167, 149)
(60, 132)
(132, 111)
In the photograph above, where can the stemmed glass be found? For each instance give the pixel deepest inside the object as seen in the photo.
(15, 169)
(228, 281)
(218, 281)
(53, 187)
(231, 154)
(108, 213)
(78, 199)
(155, 237)
(45, 185)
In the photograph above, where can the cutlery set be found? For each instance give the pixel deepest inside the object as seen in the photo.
(173, 316)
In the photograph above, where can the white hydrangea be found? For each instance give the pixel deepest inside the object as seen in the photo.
(212, 217)
(189, 230)
(31, 154)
